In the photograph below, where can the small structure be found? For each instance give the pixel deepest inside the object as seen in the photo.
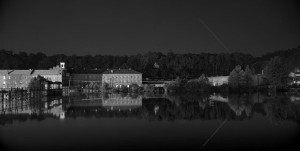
(121, 77)
(218, 80)
(295, 75)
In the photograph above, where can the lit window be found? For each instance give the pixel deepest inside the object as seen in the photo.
(4, 77)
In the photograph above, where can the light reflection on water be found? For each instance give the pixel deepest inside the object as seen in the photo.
(135, 121)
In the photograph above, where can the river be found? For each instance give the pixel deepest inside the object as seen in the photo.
(150, 122)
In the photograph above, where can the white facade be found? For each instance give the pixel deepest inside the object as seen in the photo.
(218, 80)
(118, 80)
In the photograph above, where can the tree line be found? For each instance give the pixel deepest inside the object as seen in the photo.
(151, 64)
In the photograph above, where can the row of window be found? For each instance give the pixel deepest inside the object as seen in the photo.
(15, 77)
(123, 77)
(123, 81)
(88, 76)
(129, 101)
(4, 82)
(57, 78)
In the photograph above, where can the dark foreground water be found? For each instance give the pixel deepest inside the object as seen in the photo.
(151, 122)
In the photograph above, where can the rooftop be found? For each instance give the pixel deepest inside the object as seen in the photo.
(121, 71)
(86, 71)
(57, 70)
(31, 72)
(47, 72)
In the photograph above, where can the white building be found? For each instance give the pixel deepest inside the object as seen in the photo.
(218, 80)
(121, 77)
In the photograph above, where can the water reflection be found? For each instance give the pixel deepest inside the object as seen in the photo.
(151, 107)
(119, 102)
(20, 106)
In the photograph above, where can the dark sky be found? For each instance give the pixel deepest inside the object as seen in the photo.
(129, 27)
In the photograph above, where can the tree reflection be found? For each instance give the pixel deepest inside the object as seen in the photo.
(240, 104)
(280, 109)
(158, 107)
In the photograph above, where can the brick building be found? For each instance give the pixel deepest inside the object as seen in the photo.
(21, 78)
(83, 77)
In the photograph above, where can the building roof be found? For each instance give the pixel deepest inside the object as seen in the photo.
(31, 72)
(85, 71)
(23, 72)
(47, 72)
(121, 71)
(10, 72)
(4, 72)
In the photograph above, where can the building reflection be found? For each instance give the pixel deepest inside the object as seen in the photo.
(20, 103)
(116, 101)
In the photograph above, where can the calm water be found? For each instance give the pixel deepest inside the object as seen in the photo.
(149, 122)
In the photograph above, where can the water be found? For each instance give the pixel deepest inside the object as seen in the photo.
(150, 122)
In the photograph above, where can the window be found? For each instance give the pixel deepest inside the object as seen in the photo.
(3, 77)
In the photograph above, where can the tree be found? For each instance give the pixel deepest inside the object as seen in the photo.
(37, 82)
(276, 73)
(134, 87)
(197, 85)
(176, 85)
(106, 86)
(236, 77)
(46, 63)
(6, 65)
(203, 79)
(248, 77)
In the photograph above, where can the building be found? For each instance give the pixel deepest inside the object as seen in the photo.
(83, 77)
(121, 77)
(218, 80)
(22, 78)
(16, 78)
(295, 76)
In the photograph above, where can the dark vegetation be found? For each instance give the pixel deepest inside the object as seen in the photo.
(153, 64)
(37, 83)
